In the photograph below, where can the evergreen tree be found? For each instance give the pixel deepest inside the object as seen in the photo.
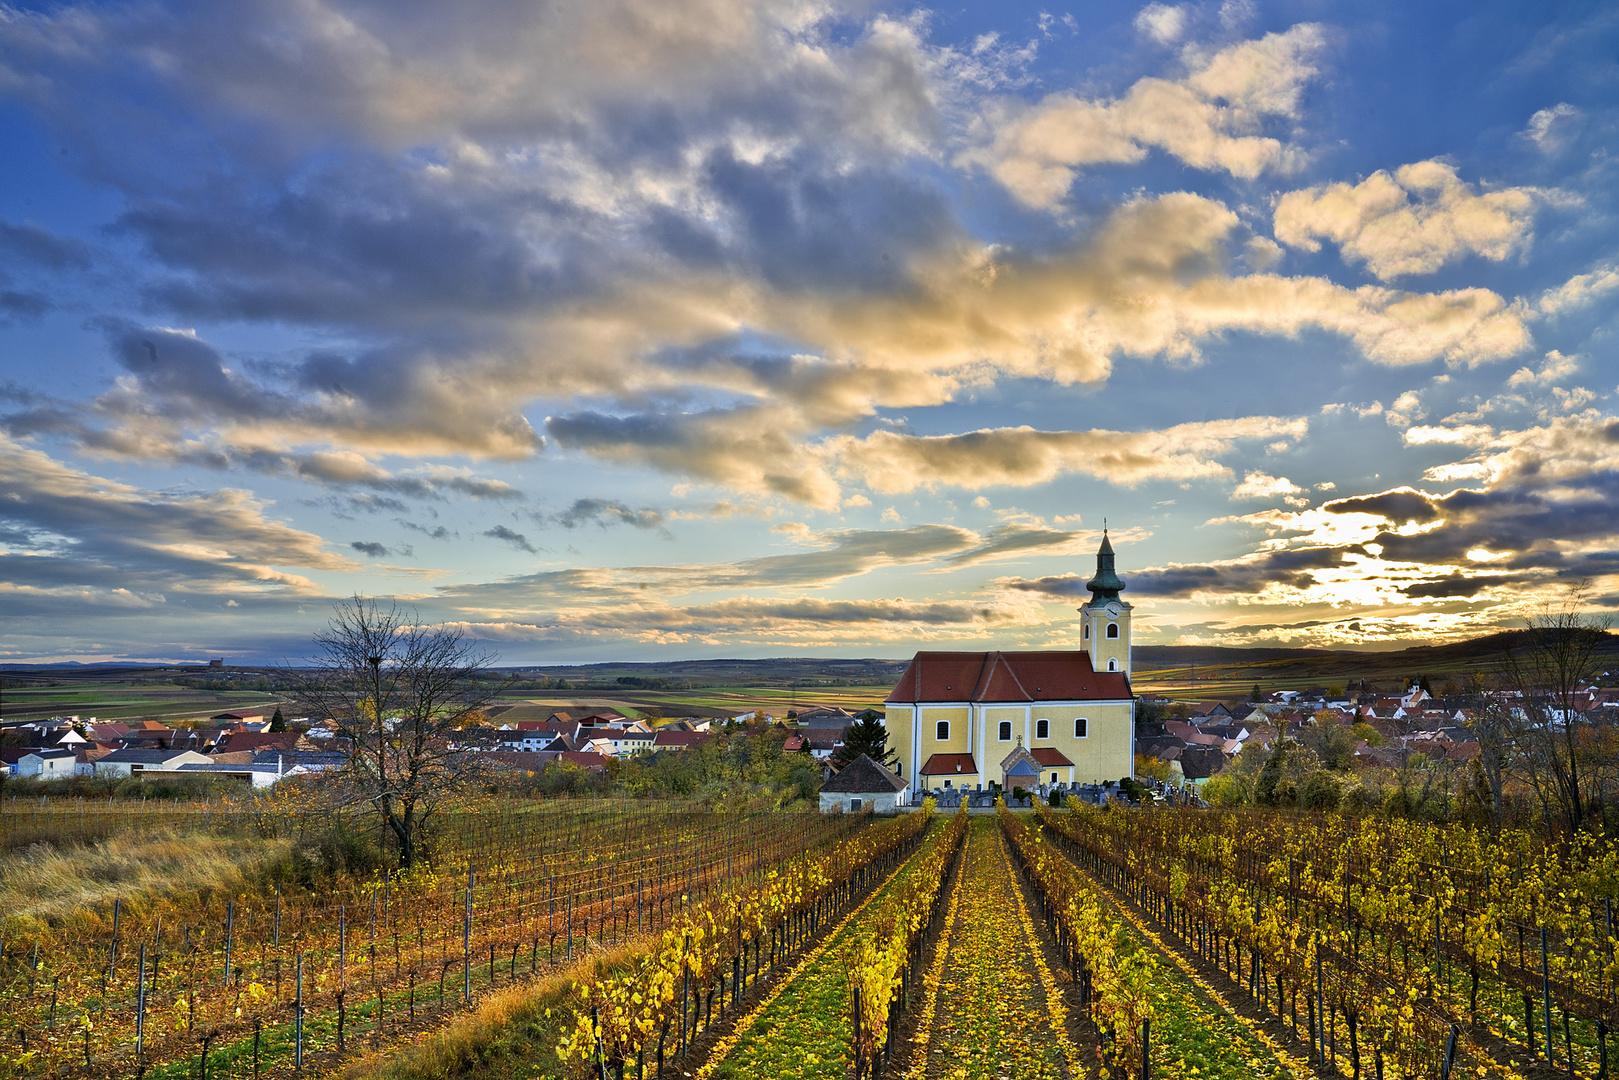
(278, 722)
(865, 736)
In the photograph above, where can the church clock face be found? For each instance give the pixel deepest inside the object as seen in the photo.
(1113, 611)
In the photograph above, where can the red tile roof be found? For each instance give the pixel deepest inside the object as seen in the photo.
(949, 765)
(1007, 676)
(1050, 757)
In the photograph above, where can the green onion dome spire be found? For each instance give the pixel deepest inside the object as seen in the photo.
(1106, 584)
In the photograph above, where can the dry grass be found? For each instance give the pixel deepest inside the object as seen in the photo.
(508, 1026)
(44, 883)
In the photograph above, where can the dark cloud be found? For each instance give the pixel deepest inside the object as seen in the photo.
(41, 247)
(1399, 506)
(1459, 585)
(1252, 575)
(604, 513)
(515, 539)
(435, 532)
(371, 548)
(16, 306)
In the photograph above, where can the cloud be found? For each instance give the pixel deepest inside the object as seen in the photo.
(1376, 222)
(515, 539)
(1459, 435)
(1210, 119)
(1163, 23)
(1258, 485)
(1293, 569)
(891, 462)
(1553, 367)
(371, 548)
(40, 247)
(1579, 291)
(607, 512)
(73, 534)
(1551, 128)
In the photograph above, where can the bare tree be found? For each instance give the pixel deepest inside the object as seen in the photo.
(400, 692)
(1559, 746)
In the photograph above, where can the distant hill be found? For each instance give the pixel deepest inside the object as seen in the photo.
(1168, 664)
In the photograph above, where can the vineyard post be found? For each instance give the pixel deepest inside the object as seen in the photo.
(298, 1017)
(569, 955)
(466, 943)
(230, 930)
(1546, 1000)
(1450, 1054)
(1146, 1042)
(140, 1004)
(278, 914)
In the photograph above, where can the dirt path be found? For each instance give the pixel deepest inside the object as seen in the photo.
(996, 1009)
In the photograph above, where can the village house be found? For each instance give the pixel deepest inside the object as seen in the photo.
(860, 786)
(54, 764)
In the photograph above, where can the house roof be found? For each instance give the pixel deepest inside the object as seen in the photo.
(948, 765)
(257, 740)
(1021, 767)
(1007, 676)
(1050, 757)
(584, 759)
(141, 755)
(863, 776)
(57, 753)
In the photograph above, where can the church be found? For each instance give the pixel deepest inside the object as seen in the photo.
(964, 719)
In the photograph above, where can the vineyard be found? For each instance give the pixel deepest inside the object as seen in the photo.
(659, 939)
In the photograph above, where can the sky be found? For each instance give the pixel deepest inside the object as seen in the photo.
(655, 329)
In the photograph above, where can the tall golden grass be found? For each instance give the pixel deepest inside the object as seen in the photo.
(46, 883)
(506, 1026)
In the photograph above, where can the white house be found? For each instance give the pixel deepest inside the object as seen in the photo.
(47, 764)
(131, 760)
(863, 785)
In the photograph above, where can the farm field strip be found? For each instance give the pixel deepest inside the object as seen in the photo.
(222, 966)
(995, 1016)
(1389, 928)
(803, 1027)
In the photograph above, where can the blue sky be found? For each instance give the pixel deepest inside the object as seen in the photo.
(644, 329)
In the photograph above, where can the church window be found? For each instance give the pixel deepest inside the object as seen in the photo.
(899, 768)
(1113, 665)
(1087, 630)
(942, 732)
(1079, 728)
(1006, 731)
(1042, 729)
(1053, 778)
(1112, 629)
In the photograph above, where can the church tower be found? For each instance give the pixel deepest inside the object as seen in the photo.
(1105, 619)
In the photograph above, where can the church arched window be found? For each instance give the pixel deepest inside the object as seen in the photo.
(1087, 633)
(1112, 629)
(1042, 729)
(942, 732)
(1080, 727)
(1006, 731)
(1113, 665)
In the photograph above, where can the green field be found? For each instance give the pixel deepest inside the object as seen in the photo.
(125, 700)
